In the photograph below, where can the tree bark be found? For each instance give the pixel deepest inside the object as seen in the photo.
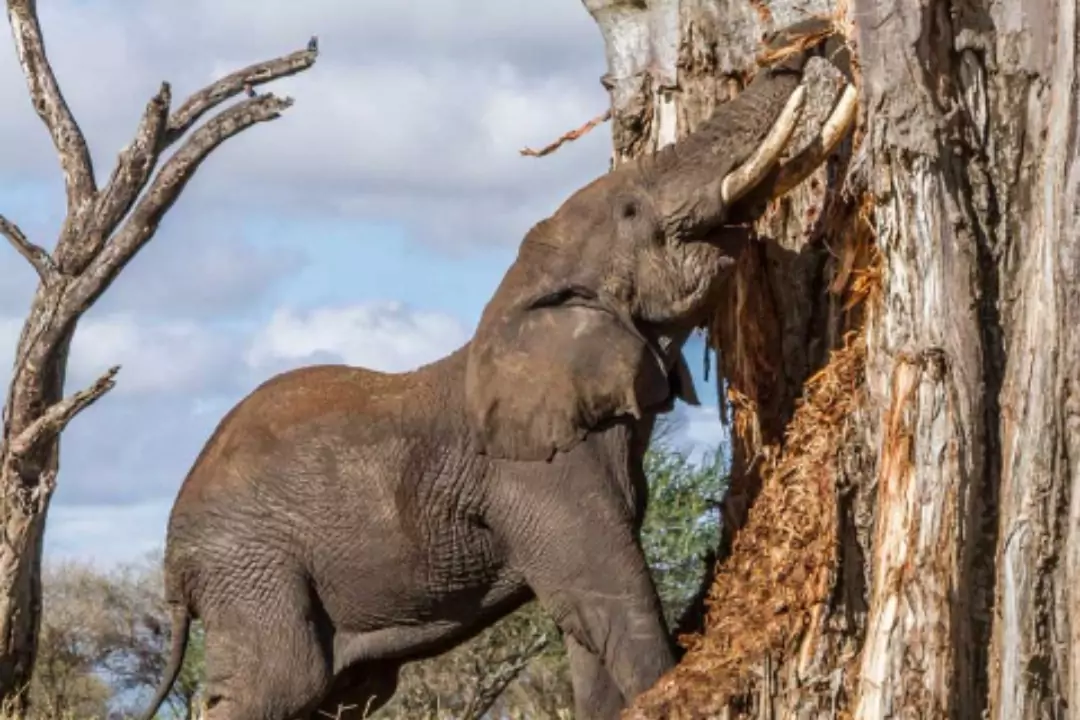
(104, 229)
(900, 359)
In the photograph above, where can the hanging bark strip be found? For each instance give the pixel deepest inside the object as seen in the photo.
(569, 136)
(105, 227)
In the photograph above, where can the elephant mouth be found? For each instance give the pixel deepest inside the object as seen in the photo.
(582, 296)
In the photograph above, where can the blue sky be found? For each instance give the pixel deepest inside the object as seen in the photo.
(369, 224)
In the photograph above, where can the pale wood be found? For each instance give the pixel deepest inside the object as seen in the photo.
(956, 587)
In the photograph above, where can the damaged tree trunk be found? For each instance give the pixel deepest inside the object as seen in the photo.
(899, 352)
(104, 229)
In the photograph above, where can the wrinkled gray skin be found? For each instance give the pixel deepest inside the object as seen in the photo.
(341, 522)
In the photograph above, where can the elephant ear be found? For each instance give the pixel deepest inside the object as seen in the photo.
(542, 376)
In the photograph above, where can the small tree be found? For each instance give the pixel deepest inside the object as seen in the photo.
(104, 636)
(104, 229)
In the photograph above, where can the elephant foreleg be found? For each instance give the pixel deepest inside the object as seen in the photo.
(578, 553)
(596, 696)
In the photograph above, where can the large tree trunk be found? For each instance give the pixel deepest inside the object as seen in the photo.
(900, 356)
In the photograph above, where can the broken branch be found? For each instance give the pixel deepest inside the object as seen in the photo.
(51, 107)
(34, 254)
(231, 85)
(165, 189)
(134, 166)
(136, 162)
(568, 137)
(55, 419)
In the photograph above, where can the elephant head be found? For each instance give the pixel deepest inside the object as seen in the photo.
(587, 325)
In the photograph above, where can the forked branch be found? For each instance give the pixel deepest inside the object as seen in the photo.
(53, 421)
(158, 130)
(34, 254)
(166, 188)
(126, 213)
(102, 232)
(134, 166)
(233, 84)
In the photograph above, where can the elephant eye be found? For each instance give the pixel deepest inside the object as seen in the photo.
(629, 209)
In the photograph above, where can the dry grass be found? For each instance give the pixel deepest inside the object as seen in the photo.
(782, 565)
(774, 587)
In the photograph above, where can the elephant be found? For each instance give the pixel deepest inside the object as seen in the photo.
(341, 522)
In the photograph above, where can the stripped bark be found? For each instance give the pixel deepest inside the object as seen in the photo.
(103, 230)
(955, 576)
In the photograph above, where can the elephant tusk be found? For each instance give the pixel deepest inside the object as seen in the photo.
(841, 118)
(833, 131)
(743, 178)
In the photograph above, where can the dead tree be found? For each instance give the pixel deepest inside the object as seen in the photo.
(899, 355)
(104, 228)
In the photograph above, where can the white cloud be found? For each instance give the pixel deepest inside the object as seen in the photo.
(695, 431)
(106, 535)
(413, 109)
(413, 116)
(155, 357)
(397, 127)
(179, 378)
(703, 427)
(554, 35)
(386, 336)
(178, 357)
(200, 267)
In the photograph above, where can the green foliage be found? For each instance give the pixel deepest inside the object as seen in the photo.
(682, 523)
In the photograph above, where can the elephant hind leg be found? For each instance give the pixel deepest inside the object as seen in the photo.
(358, 691)
(266, 657)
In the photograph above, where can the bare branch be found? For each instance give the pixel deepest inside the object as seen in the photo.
(56, 418)
(136, 162)
(51, 107)
(165, 189)
(134, 166)
(240, 81)
(35, 254)
(491, 686)
(568, 136)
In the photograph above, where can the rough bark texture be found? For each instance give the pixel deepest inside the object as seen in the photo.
(104, 229)
(902, 533)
